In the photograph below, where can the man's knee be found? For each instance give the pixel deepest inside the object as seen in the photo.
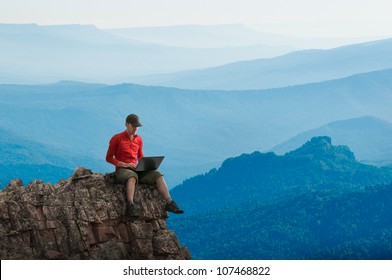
(132, 180)
(151, 177)
(159, 177)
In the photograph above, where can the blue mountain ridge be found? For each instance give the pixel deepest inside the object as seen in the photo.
(264, 176)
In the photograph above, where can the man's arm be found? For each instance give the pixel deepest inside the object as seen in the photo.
(140, 153)
(111, 152)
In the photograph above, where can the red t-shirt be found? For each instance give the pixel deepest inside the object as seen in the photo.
(122, 148)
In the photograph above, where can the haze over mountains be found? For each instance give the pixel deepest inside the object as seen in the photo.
(300, 67)
(226, 35)
(31, 53)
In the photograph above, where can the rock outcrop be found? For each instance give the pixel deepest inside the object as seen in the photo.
(83, 218)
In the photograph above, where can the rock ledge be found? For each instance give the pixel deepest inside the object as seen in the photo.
(83, 218)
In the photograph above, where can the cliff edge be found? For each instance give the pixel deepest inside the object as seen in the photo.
(83, 218)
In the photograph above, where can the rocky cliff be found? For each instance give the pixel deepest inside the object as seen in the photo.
(83, 218)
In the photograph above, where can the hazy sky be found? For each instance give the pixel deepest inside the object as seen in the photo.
(295, 17)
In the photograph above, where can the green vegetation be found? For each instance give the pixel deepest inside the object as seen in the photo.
(309, 225)
(316, 202)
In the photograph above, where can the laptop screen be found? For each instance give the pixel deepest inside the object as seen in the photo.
(149, 163)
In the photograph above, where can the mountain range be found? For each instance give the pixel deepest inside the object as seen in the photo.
(79, 119)
(32, 54)
(299, 67)
(315, 202)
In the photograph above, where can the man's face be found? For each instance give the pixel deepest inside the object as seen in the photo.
(131, 129)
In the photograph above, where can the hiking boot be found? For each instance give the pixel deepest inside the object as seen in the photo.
(131, 211)
(173, 207)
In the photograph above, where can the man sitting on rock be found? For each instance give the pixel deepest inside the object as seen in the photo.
(125, 150)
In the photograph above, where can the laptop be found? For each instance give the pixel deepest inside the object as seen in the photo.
(149, 163)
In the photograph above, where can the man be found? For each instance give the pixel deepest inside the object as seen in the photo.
(125, 150)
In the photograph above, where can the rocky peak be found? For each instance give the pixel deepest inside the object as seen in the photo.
(83, 218)
(321, 147)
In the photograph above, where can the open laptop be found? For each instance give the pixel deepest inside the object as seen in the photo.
(149, 163)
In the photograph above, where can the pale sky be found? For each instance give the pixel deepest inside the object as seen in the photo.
(297, 17)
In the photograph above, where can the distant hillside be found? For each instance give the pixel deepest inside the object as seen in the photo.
(15, 149)
(29, 160)
(30, 172)
(368, 137)
(258, 177)
(307, 225)
(300, 67)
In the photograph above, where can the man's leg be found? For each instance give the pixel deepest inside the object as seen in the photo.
(156, 177)
(130, 189)
(162, 188)
(171, 205)
(131, 210)
(129, 178)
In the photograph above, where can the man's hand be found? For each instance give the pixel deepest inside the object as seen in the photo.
(126, 165)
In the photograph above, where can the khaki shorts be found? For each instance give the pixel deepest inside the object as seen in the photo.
(122, 176)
